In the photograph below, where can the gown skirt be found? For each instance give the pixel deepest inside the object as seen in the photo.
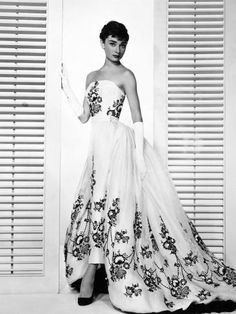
(153, 255)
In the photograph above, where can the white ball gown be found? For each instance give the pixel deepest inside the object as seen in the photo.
(154, 258)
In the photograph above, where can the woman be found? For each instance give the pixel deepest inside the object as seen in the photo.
(126, 213)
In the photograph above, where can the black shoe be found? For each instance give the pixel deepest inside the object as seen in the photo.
(76, 284)
(100, 286)
(86, 301)
(100, 282)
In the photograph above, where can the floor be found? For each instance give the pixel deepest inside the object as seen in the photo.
(58, 304)
(52, 304)
(66, 303)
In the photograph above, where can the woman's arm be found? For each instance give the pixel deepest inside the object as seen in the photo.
(130, 86)
(132, 95)
(82, 112)
(84, 117)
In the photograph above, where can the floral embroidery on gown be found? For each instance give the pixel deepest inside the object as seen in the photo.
(154, 258)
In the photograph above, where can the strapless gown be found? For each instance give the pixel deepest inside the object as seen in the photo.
(154, 258)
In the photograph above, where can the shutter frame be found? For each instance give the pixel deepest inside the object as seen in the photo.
(195, 114)
(22, 137)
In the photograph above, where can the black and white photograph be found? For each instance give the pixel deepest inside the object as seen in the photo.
(117, 156)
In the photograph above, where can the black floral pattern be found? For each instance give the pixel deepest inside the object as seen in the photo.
(94, 99)
(77, 206)
(153, 240)
(150, 278)
(169, 304)
(190, 259)
(137, 225)
(113, 212)
(98, 232)
(227, 273)
(133, 290)
(154, 244)
(178, 289)
(145, 251)
(81, 246)
(121, 236)
(92, 177)
(119, 266)
(100, 205)
(69, 270)
(203, 294)
(169, 241)
(198, 238)
(116, 108)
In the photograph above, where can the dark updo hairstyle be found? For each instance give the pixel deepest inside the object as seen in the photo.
(115, 29)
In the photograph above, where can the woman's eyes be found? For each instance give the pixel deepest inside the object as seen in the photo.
(122, 46)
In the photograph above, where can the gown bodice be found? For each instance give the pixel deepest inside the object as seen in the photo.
(105, 100)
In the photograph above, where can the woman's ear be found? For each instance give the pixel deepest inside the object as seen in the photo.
(102, 44)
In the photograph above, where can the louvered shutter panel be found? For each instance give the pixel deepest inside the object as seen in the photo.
(22, 109)
(196, 113)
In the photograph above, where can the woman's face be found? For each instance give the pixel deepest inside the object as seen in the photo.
(114, 48)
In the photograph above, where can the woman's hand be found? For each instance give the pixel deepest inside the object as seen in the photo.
(73, 101)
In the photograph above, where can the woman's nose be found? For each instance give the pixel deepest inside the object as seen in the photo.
(117, 49)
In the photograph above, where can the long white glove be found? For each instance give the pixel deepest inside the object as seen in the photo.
(73, 101)
(139, 139)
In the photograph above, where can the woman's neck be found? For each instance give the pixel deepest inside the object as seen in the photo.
(111, 64)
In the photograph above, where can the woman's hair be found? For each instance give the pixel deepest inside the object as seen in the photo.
(114, 29)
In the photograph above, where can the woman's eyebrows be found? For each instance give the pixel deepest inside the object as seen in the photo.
(116, 41)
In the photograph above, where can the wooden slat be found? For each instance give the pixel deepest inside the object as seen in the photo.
(22, 103)
(196, 113)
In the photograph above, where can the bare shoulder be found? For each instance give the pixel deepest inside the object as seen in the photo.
(129, 78)
(90, 77)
